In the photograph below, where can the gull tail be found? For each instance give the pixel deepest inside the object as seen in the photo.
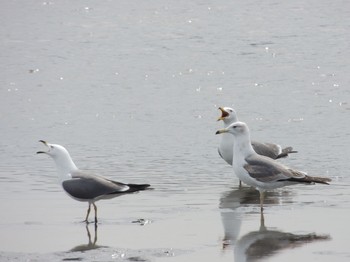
(311, 180)
(286, 151)
(320, 180)
(137, 187)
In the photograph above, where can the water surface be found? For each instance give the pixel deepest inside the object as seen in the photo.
(132, 88)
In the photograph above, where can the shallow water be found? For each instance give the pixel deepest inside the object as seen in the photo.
(132, 88)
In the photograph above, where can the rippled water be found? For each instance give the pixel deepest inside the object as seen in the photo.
(132, 88)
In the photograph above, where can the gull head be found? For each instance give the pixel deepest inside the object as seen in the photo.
(228, 115)
(60, 155)
(236, 129)
(53, 150)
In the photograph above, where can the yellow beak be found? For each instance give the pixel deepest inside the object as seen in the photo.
(220, 131)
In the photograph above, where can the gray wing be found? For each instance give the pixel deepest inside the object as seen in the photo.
(267, 149)
(265, 169)
(87, 186)
(271, 150)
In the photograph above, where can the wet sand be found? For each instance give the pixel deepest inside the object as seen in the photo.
(227, 230)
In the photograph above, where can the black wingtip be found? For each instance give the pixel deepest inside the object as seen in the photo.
(310, 180)
(138, 187)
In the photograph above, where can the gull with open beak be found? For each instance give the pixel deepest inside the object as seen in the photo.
(229, 116)
(260, 171)
(85, 186)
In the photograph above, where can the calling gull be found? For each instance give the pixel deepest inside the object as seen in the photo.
(84, 186)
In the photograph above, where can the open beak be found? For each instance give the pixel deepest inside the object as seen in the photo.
(220, 131)
(46, 144)
(223, 114)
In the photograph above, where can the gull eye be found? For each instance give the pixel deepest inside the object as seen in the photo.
(230, 110)
(234, 126)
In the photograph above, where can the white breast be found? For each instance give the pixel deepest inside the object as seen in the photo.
(226, 148)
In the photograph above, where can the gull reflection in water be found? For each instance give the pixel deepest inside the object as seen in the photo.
(91, 244)
(264, 243)
(258, 244)
(231, 215)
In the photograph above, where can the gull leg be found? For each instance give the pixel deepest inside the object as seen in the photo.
(262, 219)
(262, 222)
(87, 214)
(262, 195)
(95, 207)
(240, 184)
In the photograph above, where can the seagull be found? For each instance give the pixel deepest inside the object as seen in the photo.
(84, 186)
(274, 151)
(260, 171)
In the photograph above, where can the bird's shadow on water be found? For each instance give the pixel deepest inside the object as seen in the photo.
(92, 242)
(260, 243)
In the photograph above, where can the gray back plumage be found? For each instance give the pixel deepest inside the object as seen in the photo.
(87, 186)
(271, 150)
(264, 169)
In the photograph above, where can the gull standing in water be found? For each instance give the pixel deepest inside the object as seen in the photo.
(260, 171)
(274, 151)
(84, 186)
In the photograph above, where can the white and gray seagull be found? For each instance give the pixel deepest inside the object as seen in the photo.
(260, 171)
(84, 186)
(271, 150)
